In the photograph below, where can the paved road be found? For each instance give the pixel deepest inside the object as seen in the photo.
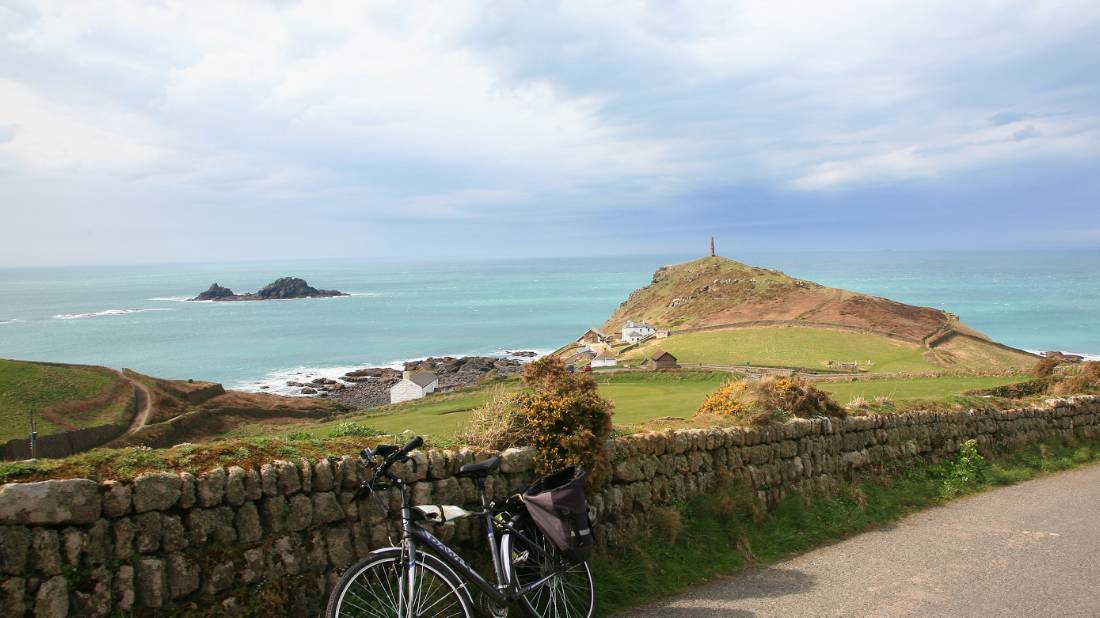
(1028, 550)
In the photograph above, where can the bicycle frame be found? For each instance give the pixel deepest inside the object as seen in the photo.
(414, 536)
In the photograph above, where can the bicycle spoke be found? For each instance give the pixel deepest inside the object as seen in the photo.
(375, 593)
(567, 594)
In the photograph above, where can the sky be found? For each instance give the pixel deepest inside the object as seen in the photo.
(149, 132)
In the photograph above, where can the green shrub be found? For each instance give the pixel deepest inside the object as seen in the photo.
(569, 421)
(967, 472)
(351, 428)
(300, 435)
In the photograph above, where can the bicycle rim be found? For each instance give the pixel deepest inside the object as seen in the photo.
(569, 593)
(375, 592)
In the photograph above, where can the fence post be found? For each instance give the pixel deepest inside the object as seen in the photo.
(34, 437)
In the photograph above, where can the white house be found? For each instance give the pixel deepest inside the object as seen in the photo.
(413, 385)
(603, 359)
(633, 332)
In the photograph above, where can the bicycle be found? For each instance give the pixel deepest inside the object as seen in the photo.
(422, 576)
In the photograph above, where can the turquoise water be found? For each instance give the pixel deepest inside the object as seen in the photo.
(133, 316)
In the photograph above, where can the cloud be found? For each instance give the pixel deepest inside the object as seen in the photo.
(388, 112)
(1003, 118)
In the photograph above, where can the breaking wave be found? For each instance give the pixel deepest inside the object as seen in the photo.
(93, 314)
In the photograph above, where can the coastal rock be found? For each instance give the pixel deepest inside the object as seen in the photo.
(1064, 357)
(281, 289)
(293, 287)
(369, 387)
(215, 292)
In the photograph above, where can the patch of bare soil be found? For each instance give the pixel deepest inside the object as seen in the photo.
(187, 411)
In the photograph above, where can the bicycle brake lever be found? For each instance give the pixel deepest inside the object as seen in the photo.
(365, 490)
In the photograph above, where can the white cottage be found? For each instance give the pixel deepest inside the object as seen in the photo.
(413, 385)
(633, 332)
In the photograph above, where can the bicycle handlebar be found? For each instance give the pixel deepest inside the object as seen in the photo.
(390, 455)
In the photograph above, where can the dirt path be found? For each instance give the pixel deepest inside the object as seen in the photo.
(1032, 549)
(144, 406)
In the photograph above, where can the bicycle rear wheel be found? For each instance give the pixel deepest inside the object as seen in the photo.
(371, 589)
(570, 591)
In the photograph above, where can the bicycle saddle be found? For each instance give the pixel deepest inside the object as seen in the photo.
(481, 468)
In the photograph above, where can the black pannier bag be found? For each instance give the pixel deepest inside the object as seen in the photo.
(557, 504)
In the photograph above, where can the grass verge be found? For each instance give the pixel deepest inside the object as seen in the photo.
(727, 530)
(61, 397)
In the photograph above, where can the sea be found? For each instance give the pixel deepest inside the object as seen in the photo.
(138, 316)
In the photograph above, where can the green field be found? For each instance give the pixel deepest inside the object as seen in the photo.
(791, 347)
(27, 387)
(639, 397)
(913, 388)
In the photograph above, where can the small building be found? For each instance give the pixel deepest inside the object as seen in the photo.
(593, 336)
(604, 359)
(413, 385)
(663, 360)
(633, 332)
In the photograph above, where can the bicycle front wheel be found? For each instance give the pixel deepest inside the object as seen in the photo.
(569, 590)
(372, 588)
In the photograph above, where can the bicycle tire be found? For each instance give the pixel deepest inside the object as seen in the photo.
(444, 581)
(571, 594)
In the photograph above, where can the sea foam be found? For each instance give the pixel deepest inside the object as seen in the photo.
(92, 314)
(275, 381)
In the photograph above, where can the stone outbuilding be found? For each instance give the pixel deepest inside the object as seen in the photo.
(593, 336)
(663, 360)
(413, 385)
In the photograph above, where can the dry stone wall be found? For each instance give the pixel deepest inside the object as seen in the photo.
(272, 540)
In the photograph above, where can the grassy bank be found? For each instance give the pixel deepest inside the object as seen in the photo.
(60, 396)
(791, 347)
(725, 530)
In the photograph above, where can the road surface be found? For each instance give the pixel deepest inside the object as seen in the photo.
(1028, 550)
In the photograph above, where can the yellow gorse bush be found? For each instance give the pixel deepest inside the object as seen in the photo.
(568, 420)
(769, 399)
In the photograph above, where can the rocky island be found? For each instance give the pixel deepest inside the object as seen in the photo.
(280, 289)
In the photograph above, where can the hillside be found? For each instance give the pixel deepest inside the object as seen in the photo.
(718, 294)
(60, 397)
(193, 411)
